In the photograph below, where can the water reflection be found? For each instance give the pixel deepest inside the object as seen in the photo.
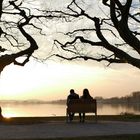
(116, 109)
(26, 110)
(20, 110)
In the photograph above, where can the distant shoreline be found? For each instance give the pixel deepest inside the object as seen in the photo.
(129, 99)
(63, 102)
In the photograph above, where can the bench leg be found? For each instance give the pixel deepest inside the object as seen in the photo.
(96, 117)
(67, 117)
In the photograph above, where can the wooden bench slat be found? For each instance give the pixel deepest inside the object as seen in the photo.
(82, 106)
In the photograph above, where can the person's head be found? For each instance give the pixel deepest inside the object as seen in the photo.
(71, 91)
(85, 92)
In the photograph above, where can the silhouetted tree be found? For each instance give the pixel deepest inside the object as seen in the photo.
(20, 20)
(109, 34)
(112, 35)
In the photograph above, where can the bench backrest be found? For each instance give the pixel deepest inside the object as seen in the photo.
(82, 106)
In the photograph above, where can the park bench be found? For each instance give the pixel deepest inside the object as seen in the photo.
(82, 106)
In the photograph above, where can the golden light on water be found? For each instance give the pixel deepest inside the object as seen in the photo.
(49, 110)
(13, 110)
(9, 114)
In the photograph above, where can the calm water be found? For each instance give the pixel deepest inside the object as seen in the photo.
(25, 110)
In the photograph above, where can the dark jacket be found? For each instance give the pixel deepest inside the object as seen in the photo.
(71, 97)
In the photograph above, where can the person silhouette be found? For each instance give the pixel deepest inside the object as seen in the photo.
(85, 95)
(1, 117)
(70, 97)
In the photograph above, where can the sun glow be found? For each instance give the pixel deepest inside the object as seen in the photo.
(53, 81)
(27, 82)
(9, 115)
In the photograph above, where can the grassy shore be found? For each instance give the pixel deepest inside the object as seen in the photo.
(24, 120)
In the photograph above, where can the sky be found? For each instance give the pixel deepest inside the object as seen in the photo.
(53, 80)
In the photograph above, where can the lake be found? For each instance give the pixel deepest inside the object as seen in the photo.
(33, 110)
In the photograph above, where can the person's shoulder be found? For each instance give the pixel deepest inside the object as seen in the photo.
(81, 97)
(76, 95)
(91, 98)
(69, 96)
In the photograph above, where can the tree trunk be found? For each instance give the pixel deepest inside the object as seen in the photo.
(1, 8)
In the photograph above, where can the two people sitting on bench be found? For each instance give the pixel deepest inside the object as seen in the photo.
(73, 96)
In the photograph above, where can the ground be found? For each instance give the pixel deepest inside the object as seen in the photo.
(58, 129)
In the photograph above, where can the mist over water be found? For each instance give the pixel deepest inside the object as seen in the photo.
(44, 110)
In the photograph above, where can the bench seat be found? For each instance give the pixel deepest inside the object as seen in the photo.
(82, 106)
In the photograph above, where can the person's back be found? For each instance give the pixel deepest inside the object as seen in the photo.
(70, 97)
(85, 95)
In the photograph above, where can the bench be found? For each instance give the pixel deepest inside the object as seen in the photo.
(82, 106)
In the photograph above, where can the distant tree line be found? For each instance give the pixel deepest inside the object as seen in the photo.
(134, 97)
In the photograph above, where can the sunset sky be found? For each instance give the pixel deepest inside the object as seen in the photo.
(53, 80)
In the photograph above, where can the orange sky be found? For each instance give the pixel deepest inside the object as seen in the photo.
(52, 81)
